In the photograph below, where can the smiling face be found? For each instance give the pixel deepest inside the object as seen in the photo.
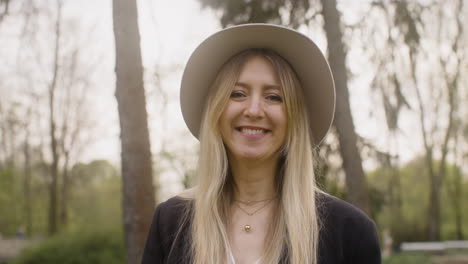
(254, 122)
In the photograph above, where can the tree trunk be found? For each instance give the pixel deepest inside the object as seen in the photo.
(27, 185)
(357, 192)
(456, 196)
(54, 174)
(138, 191)
(4, 12)
(3, 139)
(64, 191)
(434, 208)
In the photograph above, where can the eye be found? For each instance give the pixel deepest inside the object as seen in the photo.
(274, 98)
(237, 94)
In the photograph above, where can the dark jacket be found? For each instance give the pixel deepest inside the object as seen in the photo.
(347, 235)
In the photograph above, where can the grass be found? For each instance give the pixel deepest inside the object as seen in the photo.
(98, 247)
(407, 258)
(422, 258)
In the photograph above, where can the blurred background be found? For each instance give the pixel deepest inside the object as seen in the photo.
(92, 138)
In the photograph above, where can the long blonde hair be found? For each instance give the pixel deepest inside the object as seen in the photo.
(293, 234)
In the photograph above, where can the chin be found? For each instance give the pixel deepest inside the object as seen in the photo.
(253, 155)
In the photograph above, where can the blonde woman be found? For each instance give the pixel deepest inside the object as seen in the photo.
(260, 98)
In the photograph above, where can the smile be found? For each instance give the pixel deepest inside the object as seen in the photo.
(252, 131)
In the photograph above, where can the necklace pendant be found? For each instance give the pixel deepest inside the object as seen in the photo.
(247, 228)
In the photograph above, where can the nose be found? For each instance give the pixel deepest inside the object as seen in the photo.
(254, 108)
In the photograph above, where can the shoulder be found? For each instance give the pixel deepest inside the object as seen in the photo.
(347, 230)
(174, 205)
(342, 216)
(337, 210)
(168, 227)
(169, 213)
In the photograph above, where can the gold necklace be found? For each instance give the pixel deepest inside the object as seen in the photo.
(247, 227)
(253, 202)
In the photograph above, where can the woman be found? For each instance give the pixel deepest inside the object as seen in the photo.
(259, 97)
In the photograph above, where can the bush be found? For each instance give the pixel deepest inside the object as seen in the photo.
(98, 247)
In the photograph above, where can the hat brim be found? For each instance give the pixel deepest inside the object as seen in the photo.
(300, 51)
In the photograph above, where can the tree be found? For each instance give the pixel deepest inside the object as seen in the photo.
(50, 84)
(52, 88)
(45, 121)
(299, 13)
(138, 192)
(27, 175)
(455, 190)
(96, 195)
(5, 4)
(434, 92)
(415, 201)
(352, 163)
(68, 119)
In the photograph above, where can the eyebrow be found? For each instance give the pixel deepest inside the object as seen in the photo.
(268, 86)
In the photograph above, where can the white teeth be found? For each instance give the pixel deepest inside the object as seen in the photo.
(252, 131)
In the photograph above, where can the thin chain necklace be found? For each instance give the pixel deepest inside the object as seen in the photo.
(253, 202)
(248, 227)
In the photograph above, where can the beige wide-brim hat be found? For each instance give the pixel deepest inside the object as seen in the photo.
(300, 51)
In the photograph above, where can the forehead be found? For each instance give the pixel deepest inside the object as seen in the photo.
(258, 68)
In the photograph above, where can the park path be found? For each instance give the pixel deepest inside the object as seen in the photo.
(450, 260)
(10, 248)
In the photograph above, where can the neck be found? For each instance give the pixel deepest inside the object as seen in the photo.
(254, 180)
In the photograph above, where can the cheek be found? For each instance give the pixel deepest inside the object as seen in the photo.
(282, 123)
(224, 123)
(228, 115)
(281, 119)
(284, 131)
(222, 127)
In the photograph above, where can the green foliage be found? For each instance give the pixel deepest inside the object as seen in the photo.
(454, 196)
(189, 178)
(407, 258)
(331, 185)
(376, 201)
(96, 196)
(258, 11)
(455, 256)
(10, 202)
(97, 247)
(405, 194)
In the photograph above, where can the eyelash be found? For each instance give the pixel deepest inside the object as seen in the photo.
(275, 98)
(271, 97)
(237, 94)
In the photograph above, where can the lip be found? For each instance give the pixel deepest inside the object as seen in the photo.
(251, 127)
